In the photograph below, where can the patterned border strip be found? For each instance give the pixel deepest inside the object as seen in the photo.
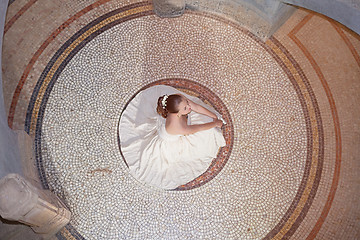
(48, 78)
(74, 46)
(291, 221)
(347, 42)
(69, 233)
(18, 14)
(70, 48)
(37, 54)
(336, 122)
(206, 95)
(56, 65)
(294, 216)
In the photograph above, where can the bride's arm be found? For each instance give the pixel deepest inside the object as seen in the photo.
(200, 109)
(190, 129)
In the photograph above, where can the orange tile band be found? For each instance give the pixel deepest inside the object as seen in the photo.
(306, 197)
(335, 117)
(79, 14)
(347, 42)
(303, 201)
(18, 15)
(37, 54)
(132, 11)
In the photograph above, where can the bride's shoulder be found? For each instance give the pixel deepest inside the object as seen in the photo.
(174, 126)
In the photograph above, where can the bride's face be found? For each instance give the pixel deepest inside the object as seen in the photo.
(184, 107)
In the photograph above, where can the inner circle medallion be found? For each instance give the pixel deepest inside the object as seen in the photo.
(191, 89)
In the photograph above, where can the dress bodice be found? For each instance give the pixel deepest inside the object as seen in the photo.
(164, 135)
(156, 157)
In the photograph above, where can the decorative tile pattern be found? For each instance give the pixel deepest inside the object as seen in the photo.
(313, 171)
(273, 169)
(208, 97)
(329, 58)
(36, 56)
(18, 14)
(335, 117)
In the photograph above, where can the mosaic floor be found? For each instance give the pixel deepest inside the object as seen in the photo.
(287, 171)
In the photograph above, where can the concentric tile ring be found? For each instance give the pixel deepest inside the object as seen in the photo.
(206, 95)
(43, 117)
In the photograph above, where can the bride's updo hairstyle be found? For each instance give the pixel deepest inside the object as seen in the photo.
(168, 104)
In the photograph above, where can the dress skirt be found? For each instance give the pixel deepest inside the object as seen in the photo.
(158, 158)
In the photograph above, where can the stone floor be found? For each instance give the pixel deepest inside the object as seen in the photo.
(290, 169)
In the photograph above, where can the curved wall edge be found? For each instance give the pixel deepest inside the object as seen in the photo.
(261, 17)
(10, 159)
(344, 11)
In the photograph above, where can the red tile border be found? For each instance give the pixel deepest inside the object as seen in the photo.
(297, 223)
(18, 15)
(291, 229)
(206, 94)
(264, 45)
(37, 54)
(347, 42)
(292, 34)
(336, 122)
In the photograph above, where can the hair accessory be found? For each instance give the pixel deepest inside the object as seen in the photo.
(163, 101)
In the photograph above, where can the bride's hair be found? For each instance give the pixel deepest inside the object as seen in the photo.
(171, 104)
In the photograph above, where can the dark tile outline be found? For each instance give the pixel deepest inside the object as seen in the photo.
(223, 155)
(48, 90)
(334, 114)
(315, 185)
(11, 22)
(10, 2)
(37, 141)
(301, 189)
(44, 45)
(54, 78)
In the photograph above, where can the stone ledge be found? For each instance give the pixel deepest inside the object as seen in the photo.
(169, 8)
(262, 19)
(346, 12)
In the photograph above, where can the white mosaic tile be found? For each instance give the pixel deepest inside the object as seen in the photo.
(244, 201)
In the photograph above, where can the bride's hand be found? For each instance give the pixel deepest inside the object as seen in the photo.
(218, 123)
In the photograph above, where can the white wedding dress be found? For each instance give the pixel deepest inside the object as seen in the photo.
(158, 158)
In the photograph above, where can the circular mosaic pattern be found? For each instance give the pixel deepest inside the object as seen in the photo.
(270, 177)
(207, 96)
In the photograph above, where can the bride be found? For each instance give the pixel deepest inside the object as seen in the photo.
(175, 108)
(173, 145)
